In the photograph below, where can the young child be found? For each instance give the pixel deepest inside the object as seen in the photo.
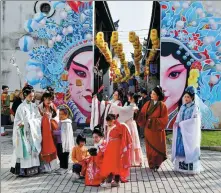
(79, 154)
(64, 139)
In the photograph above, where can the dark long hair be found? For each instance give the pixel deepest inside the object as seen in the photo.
(49, 95)
(169, 48)
(81, 138)
(120, 95)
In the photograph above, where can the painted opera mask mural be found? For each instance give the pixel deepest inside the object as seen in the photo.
(191, 56)
(64, 60)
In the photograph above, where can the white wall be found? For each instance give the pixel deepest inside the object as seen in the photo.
(14, 14)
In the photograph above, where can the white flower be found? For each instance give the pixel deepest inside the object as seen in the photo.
(176, 4)
(181, 35)
(180, 24)
(193, 23)
(192, 43)
(206, 40)
(214, 79)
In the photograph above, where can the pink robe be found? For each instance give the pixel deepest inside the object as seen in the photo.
(126, 114)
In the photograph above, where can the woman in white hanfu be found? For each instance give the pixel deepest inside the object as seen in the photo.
(102, 109)
(187, 135)
(126, 115)
(26, 136)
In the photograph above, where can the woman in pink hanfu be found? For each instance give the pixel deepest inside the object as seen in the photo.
(126, 115)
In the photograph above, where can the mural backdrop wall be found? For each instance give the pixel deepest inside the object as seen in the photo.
(191, 55)
(66, 63)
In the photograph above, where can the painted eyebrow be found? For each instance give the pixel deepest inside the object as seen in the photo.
(174, 66)
(81, 65)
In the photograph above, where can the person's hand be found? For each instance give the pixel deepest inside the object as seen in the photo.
(20, 125)
(47, 114)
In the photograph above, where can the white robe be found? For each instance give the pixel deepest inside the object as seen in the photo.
(29, 116)
(191, 135)
(67, 136)
(126, 114)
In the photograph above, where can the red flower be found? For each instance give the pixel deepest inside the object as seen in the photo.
(196, 65)
(163, 6)
(205, 53)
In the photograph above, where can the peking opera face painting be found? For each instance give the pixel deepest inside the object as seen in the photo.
(65, 62)
(191, 56)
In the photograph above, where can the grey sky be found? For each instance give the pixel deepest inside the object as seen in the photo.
(133, 15)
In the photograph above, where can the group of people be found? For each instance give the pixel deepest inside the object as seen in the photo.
(43, 133)
(151, 119)
(40, 135)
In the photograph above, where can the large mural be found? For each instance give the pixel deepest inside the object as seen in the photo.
(65, 62)
(191, 55)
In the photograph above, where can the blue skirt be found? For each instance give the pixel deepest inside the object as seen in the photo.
(179, 144)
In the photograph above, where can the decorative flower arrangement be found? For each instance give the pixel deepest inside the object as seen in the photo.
(193, 78)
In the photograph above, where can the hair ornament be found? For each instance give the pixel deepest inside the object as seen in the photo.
(191, 90)
(188, 63)
(178, 52)
(184, 57)
(187, 54)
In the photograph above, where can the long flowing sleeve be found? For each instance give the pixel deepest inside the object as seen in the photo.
(18, 120)
(160, 123)
(141, 120)
(125, 112)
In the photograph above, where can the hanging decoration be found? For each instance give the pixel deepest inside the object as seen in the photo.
(118, 50)
(155, 45)
(134, 39)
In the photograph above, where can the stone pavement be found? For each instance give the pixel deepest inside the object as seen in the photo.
(141, 179)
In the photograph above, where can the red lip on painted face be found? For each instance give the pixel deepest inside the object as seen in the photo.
(165, 98)
(88, 98)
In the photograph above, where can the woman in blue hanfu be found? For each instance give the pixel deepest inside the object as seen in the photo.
(187, 134)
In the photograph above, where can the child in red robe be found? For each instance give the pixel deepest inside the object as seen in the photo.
(116, 163)
(93, 165)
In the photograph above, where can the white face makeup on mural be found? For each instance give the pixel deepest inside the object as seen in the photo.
(80, 77)
(173, 76)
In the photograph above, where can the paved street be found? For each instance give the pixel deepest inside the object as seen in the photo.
(141, 180)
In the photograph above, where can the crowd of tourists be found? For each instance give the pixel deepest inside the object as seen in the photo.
(43, 136)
